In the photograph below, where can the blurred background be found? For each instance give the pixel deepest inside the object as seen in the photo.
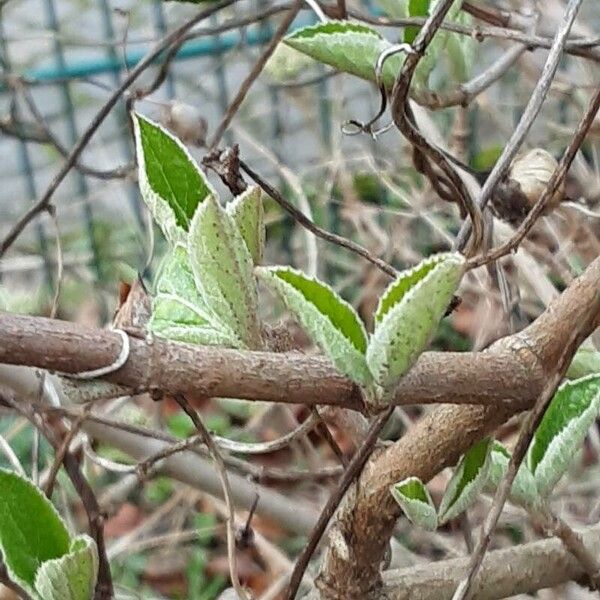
(61, 59)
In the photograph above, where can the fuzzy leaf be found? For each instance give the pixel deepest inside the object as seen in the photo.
(468, 480)
(329, 320)
(348, 47)
(222, 268)
(408, 314)
(247, 212)
(585, 362)
(170, 181)
(523, 490)
(415, 500)
(178, 311)
(24, 513)
(72, 576)
(561, 432)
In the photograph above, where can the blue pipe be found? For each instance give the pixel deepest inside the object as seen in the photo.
(194, 48)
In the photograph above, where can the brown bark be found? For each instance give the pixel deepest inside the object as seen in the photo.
(351, 566)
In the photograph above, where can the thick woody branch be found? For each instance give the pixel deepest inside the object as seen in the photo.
(481, 378)
(363, 528)
(518, 570)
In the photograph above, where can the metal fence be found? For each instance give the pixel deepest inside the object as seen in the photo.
(60, 61)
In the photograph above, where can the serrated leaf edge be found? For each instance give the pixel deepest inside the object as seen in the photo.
(268, 275)
(470, 491)
(159, 208)
(412, 506)
(250, 337)
(11, 574)
(547, 474)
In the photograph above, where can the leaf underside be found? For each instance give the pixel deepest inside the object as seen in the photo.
(415, 500)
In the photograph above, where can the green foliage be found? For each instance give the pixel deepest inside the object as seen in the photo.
(354, 48)
(585, 362)
(179, 311)
(468, 480)
(523, 490)
(72, 576)
(415, 500)
(42, 564)
(408, 313)
(348, 47)
(222, 268)
(415, 8)
(171, 182)
(572, 411)
(248, 215)
(330, 321)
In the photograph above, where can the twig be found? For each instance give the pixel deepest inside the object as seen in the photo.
(253, 75)
(222, 470)
(311, 226)
(572, 541)
(104, 586)
(530, 425)
(558, 176)
(62, 451)
(76, 151)
(404, 120)
(350, 474)
(328, 437)
(529, 114)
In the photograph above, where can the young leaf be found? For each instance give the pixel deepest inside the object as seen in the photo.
(328, 319)
(585, 362)
(73, 575)
(415, 8)
(247, 213)
(415, 500)
(562, 430)
(468, 480)
(523, 491)
(179, 312)
(24, 513)
(408, 313)
(170, 181)
(348, 47)
(222, 268)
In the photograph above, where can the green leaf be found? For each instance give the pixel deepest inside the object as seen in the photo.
(72, 576)
(170, 181)
(348, 47)
(24, 514)
(585, 362)
(248, 214)
(523, 490)
(222, 268)
(328, 319)
(415, 500)
(572, 411)
(178, 311)
(415, 8)
(408, 314)
(468, 480)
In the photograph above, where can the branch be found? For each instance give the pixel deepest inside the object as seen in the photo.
(504, 573)
(366, 519)
(174, 368)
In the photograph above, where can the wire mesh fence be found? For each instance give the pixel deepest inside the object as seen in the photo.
(60, 62)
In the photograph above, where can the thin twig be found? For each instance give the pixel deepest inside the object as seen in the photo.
(556, 180)
(311, 226)
(531, 111)
(350, 474)
(464, 590)
(222, 470)
(253, 75)
(76, 151)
